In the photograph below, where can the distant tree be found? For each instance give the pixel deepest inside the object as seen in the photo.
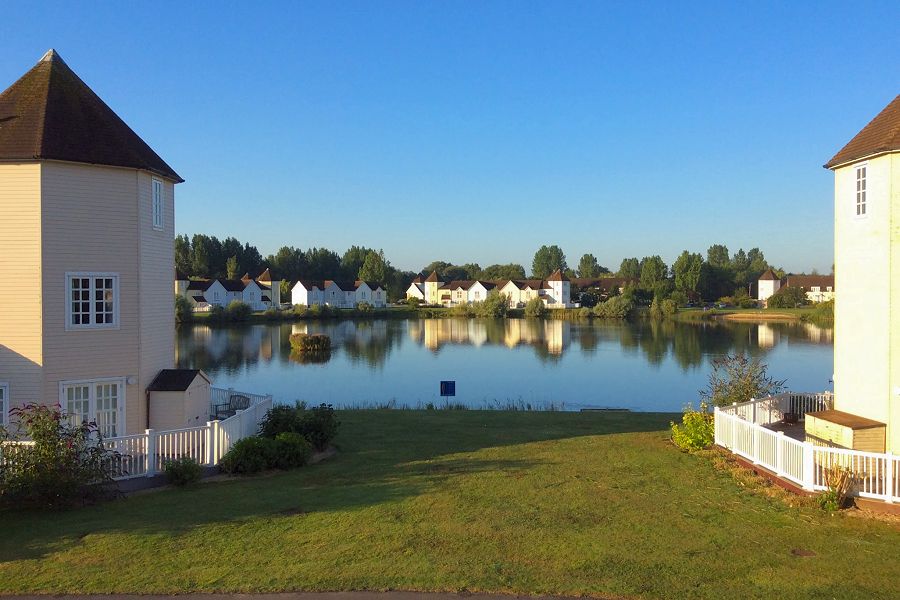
(508, 271)
(630, 268)
(653, 271)
(547, 260)
(375, 267)
(322, 263)
(183, 255)
(717, 255)
(588, 266)
(814, 271)
(232, 267)
(353, 260)
(290, 263)
(687, 270)
(251, 259)
(437, 266)
(454, 272)
(472, 270)
(200, 260)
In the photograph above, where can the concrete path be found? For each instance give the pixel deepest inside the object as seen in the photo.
(306, 596)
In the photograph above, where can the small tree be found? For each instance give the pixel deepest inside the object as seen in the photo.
(494, 306)
(184, 312)
(737, 378)
(535, 308)
(788, 297)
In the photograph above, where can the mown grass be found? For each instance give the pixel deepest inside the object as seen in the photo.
(518, 502)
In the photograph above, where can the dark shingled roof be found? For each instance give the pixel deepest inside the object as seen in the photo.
(432, 277)
(882, 134)
(175, 380)
(769, 275)
(49, 113)
(557, 275)
(808, 282)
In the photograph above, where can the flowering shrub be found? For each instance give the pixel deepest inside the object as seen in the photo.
(58, 465)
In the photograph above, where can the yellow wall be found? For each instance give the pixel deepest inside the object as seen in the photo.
(867, 259)
(21, 352)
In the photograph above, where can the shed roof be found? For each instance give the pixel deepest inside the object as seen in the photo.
(175, 380)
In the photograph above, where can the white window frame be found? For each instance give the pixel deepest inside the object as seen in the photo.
(92, 398)
(116, 300)
(4, 403)
(861, 172)
(156, 200)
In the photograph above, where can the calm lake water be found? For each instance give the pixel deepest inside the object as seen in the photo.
(643, 365)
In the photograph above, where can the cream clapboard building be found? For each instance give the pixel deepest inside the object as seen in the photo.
(338, 294)
(87, 218)
(555, 291)
(867, 270)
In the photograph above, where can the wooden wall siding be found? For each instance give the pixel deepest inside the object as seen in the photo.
(21, 352)
(157, 301)
(90, 221)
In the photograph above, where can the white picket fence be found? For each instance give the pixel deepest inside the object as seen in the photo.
(741, 429)
(146, 454)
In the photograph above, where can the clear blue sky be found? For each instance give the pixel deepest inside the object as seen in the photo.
(477, 131)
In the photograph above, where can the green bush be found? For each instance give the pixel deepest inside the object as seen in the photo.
(535, 308)
(216, 313)
(747, 302)
(655, 309)
(414, 302)
(493, 307)
(462, 310)
(282, 418)
(250, 455)
(668, 307)
(364, 308)
(65, 465)
(319, 426)
(697, 429)
(315, 343)
(788, 297)
(183, 471)
(300, 310)
(679, 298)
(292, 450)
(184, 310)
(737, 378)
(618, 307)
(238, 311)
(823, 312)
(272, 314)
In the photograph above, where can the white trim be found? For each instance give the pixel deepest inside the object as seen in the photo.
(861, 158)
(157, 204)
(865, 191)
(4, 403)
(92, 398)
(68, 300)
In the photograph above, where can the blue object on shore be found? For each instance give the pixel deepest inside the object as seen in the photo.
(448, 388)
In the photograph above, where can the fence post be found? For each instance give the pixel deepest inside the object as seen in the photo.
(753, 409)
(808, 466)
(734, 419)
(889, 478)
(779, 453)
(151, 452)
(212, 440)
(716, 438)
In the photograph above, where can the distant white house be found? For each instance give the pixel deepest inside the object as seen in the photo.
(555, 291)
(338, 294)
(259, 293)
(818, 288)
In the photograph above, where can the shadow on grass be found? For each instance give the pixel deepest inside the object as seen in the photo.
(385, 457)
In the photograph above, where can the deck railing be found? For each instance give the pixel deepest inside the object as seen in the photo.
(741, 429)
(146, 454)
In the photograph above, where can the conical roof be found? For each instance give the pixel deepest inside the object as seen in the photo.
(882, 134)
(50, 113)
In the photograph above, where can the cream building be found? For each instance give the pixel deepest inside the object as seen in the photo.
(555, 291)
(867, 268)
(87, 216)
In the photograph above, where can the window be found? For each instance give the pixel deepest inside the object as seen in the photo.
(4, 403)
(157, 204)
(92, 300)
(102, 400)
(861, 191)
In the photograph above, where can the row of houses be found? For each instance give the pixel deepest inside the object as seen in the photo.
(818, 288)
(338, 294)
(555, 291)
(260, 293)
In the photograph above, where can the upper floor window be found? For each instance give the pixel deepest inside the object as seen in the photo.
(157, 204)
(861, 191)
(4, 403)
(93, 300)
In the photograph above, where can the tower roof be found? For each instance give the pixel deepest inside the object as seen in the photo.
(557, 275)
(769, 275)
(432, 277)
(50, 113)
(882, 134)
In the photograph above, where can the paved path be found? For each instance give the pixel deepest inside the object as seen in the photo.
(305, 596)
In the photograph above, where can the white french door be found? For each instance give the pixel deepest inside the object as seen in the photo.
(101, 400)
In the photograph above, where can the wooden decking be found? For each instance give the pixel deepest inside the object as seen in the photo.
(795, 431)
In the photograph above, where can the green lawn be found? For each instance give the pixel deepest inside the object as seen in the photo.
(560, 503)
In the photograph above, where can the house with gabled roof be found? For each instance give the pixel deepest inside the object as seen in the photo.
(555, 291)
(87, 216)
(338, 294)
(818, 288)
(259, 293)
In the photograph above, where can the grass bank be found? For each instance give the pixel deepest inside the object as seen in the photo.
(746, 314)
(516, 502)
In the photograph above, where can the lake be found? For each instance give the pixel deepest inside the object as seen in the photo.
(642, 365)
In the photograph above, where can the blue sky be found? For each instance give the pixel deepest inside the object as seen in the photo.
(477, 131)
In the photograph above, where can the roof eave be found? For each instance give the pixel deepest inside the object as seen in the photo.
(832, 165)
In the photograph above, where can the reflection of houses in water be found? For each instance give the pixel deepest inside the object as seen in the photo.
(819, 335)
(435, 333)
(767, 336)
